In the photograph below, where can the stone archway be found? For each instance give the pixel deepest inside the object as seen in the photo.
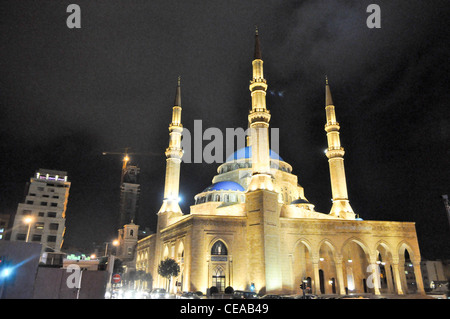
(410, 275)
(302, 264)
(355, 265)
(327, 268)
(384, 260)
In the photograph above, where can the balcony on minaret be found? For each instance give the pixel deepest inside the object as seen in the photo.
(335, 151)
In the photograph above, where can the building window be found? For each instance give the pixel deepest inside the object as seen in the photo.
(36, 238)
(54, 204)
(219, 248)
(51, 239)
(41, 214)
(39, 225)
(51, 214)
(53, 226)
(43, 203)
(21, 236)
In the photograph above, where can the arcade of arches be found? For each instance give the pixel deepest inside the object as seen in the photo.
(341, 258)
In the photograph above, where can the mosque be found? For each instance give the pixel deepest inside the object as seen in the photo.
(254, 229)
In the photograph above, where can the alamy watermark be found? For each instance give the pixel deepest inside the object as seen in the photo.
(223, 144)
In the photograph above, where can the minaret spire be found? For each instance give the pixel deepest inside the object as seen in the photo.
(257, 54)
(174, 153)
(335, 153)
(258, 120)
(178, 93)
(328, 99)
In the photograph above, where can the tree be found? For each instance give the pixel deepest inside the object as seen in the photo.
(168, 268)
(229, 290)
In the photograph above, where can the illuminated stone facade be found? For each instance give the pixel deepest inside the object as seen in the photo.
(254, 227)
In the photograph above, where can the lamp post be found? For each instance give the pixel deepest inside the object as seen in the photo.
(114, 243)
(28, 221)
(303, 287)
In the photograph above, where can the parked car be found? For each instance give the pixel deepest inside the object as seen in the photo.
(189, 295)
(271, 297)
(307, 297)
(239, 294)
(159, 293)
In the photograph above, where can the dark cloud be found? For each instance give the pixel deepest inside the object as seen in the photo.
(69, 95)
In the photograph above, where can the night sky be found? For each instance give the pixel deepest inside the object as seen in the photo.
(67, 95)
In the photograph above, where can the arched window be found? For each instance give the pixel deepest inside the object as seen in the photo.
(219, 248)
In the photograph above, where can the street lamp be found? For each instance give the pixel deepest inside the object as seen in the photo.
(28, 221)
(303, 287)
(114, 242)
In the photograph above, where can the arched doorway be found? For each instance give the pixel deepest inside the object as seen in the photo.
(218, 278)
(327, 266)
(219, 266)
(355, 266)
(384, 264)
(407, 272)
(302, 268)
(322, 281)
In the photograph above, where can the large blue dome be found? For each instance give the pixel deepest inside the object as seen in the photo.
(224, 186)
(246, 152)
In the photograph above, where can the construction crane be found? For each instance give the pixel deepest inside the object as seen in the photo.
(447, 206)
(126, 159)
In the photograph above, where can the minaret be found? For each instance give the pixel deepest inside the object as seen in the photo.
(335, 153)
(263, 209)
(258, 119)
(170, 210)
(174, 153)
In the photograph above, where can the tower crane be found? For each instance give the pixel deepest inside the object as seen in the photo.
(126, 159)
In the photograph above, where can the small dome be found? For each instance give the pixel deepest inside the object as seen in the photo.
(224, 186)
(300, 201)
(246, 152)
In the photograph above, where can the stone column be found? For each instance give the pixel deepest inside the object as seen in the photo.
(340, 275)
(390, 284)
(316, 276)
(375, 275)
(419, 279)
(397, 278)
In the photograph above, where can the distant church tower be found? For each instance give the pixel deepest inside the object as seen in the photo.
(130, 190)
(335, 153)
